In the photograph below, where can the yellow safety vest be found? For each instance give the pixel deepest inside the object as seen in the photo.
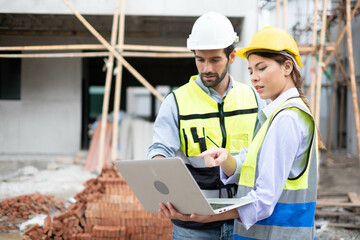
(204, 123)
(294, 214)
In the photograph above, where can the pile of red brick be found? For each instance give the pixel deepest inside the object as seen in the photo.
(15, 210)
(105, 210)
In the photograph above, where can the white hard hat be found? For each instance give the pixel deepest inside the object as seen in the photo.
(211, 31)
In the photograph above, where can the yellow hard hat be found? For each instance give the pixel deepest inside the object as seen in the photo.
(273, 39)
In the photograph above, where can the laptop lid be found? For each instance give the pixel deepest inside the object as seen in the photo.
(168, 180)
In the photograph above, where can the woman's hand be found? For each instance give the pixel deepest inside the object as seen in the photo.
(219, 157)
(170, 211)
(214, 156)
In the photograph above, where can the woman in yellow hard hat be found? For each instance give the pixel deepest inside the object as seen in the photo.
(279, 169)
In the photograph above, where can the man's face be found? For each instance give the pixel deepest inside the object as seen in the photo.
(212, 65)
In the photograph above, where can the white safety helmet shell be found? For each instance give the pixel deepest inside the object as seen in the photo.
(211, 31)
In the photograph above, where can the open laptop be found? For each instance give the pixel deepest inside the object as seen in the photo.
(168, 180)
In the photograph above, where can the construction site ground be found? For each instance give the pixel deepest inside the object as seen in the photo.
(339, 174)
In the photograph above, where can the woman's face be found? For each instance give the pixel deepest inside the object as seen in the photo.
(268, 77)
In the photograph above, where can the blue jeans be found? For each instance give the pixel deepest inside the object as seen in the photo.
(225, 232)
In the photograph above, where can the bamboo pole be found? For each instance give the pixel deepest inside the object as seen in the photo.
(338, 41)
(108, 80)
(352, 74)
(319, 68)
(285, 3)
(277, 13)
(118, 81)
(55, 55)
(127, 47)
(132, 70)
(313, 59)
(98, 54)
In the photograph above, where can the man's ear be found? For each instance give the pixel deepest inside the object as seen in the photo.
(232, 57)
(288, 67)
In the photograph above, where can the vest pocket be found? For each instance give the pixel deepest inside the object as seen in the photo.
(238, 141)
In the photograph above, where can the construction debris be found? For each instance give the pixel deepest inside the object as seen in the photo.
(14, 210)
(341, 209)
(106, 209)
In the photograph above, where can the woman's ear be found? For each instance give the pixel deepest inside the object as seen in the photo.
(288, 67)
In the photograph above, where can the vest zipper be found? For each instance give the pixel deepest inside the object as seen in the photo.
(222, 123)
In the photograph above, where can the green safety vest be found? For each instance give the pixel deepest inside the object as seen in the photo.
(294, 215)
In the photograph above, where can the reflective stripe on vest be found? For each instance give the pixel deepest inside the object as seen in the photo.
(294, 215)
(204, 124)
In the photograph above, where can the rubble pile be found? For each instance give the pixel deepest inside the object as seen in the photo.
(20, 208)
(105, 210)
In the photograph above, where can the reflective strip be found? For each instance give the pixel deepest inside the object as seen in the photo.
(273, 232)
(284, 215)
(287, 196)
(197, 162)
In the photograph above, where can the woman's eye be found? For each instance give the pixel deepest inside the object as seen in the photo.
(262, 69)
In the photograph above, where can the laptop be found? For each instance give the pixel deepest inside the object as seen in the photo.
(169, 180)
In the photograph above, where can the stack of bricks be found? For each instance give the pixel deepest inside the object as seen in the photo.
(15, 210)
(107, 209)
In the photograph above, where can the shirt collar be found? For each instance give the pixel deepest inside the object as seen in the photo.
(270, 108)
(210, 91)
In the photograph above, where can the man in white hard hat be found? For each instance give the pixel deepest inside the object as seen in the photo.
(211, 110)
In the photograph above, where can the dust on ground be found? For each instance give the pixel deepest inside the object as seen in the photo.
(339, 173)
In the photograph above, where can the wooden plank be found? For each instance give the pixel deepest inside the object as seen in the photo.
(341, 35)
(285, 6)
(354, 198)
(106, 99)
(319, 68)
(345, 225)
(118, 82)
(124, 47)
(277, 13)
(132, 70)
(313, 58)
(352, 74)
(334, 214)
(97, 54)
(93, 150)
(321, 203)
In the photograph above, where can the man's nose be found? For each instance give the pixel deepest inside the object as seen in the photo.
(207, 67)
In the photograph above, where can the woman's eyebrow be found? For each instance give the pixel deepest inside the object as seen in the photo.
(255, 65)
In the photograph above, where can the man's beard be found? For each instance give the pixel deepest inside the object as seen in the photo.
(218, 78)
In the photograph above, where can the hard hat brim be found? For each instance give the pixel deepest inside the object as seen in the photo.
(242, 52)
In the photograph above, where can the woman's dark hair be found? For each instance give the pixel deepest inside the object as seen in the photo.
(296, 78)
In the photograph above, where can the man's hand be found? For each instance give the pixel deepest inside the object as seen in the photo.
(170, 211)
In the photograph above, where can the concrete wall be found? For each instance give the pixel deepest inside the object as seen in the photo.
(132, 7)
(47, 119)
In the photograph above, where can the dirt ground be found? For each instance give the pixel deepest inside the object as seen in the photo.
(339, 173)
